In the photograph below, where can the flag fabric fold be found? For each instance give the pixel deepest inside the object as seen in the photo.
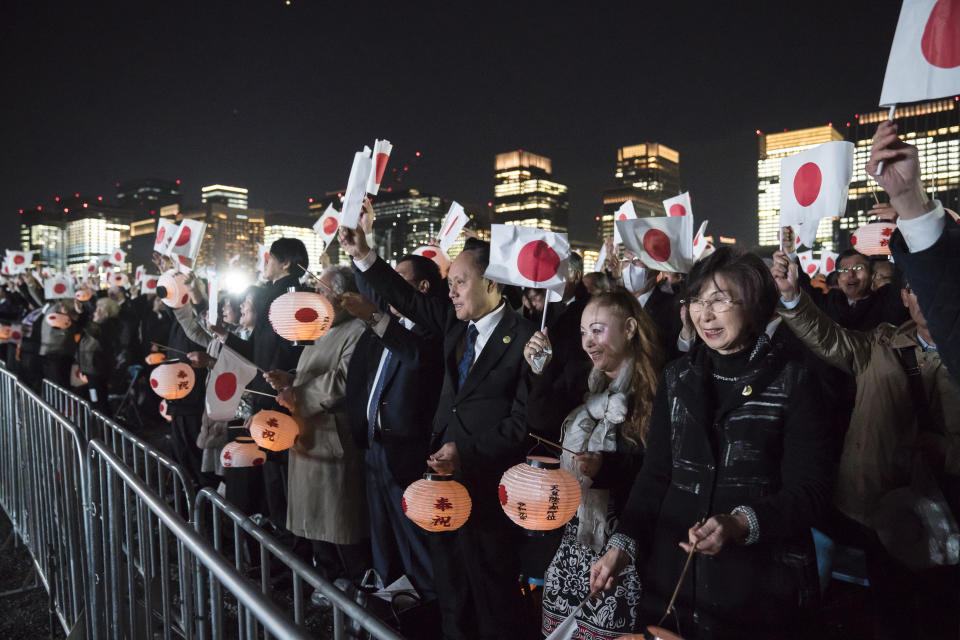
(528, 257)
(230, 376)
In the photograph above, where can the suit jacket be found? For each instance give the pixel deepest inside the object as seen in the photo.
(486, 418)
(664, 310)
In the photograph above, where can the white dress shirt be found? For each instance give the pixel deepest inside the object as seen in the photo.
(923, 232)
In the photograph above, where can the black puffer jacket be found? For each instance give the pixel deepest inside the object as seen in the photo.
(762, 442)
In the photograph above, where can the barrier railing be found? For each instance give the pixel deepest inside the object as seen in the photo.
(254, 549)
(69, 405)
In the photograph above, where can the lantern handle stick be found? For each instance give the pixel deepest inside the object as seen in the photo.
(552, 444)
(163, 346)
(683, 574)
(260, 393)
(319, 281)
(893, 109)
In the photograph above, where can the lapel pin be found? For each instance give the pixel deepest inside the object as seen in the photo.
(506, 339)
(747, 390)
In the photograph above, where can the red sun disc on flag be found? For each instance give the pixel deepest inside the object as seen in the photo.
(657, 244)
(806, 184)
(381, 165)
(830, 264)
(151, 283)
(184, 236)
(811, 268)
(622, 216)
(306, 314)
(330, 225)
(537, 261)
(59, 288)
(225, 386)
(117, 257)
(15, 335)
(161, 234)
(18, 259)
(91, 268)
(429, 253)
(940, 43)
(678, 210)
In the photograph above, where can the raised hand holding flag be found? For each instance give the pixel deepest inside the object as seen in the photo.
(356, 191)
(453, 223)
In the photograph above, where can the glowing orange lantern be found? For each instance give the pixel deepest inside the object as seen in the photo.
(873, 238)
(173, 380)
(173, 290)
(538, 494)
(58, 320)
(83, 294)
(163, 411)
(242, 452)
(155, 358)
(301, 316)
(5, 331)
(273, 430)
(437, 503)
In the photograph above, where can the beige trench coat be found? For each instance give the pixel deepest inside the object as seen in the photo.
(326, 496)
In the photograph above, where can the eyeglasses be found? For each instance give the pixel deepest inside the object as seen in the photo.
(857, 268)
(715, 305)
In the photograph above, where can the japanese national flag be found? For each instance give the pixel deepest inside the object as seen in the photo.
(138, 274)
(327, 225)
(828, 262)
(453, 223)
(118, 257)
(58, 287)
(809, 265)
(6, 269)
(661, 243)
(356, 188)
(166, 230)
(92, 267)
(528, 257)
(149, 283)
(47, 272)
(19, 261)
(814, 185)
(117, 279)
(625, 212)
(16, 333)
(186, 244)
(262, 254)
(924, 60)
(235, 262)
(381, 153)
(700, 241)
(227, 381)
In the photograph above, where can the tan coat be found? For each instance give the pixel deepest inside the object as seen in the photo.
(326, 496)
(879, 444)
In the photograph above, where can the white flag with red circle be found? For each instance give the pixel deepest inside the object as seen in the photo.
(327, 225)
(47, 272)
(435, 253)
(828, 262)
(356, 188)
(625, 212)
(453, 223)
(814, 185)
(138, 274)
(808, 263)
(186, 244)
(381, 154)
(16, 333)
(229, 378)
(166, 230)
(92, 267)
(528, 257)
(118, 257)
(700, 243)
(149, 283)
(58, 287)
(18, 261)
(263, 252)
(661, 243)
(924, 60)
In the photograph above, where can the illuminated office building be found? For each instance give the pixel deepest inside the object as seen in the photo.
(773, 148)
(148, 195)
(647, 174)
(406, 219)
(230, 231)
(525, 193)
(233, 197)
(299, 226)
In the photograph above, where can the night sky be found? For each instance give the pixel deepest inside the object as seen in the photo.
(277, 98)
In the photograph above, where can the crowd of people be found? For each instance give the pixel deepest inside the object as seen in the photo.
(731, 428)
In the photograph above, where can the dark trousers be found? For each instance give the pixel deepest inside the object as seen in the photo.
(98, 391)
(475, 572)
(275, 488)
(399, 546)
(184, 432)
(56, 369)
(348, 561)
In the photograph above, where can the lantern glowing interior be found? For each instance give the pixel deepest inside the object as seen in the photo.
(83, 295)
(155, 358)
(273, 430)
(242, 452)
(301, 316)
(58, 320)
(173, 290)
(873, 238)
(173, 380)
(163, 411)
(538, 494)
(437, 503)
(5, 331)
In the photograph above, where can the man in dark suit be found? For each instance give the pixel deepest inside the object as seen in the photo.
(479, 425)
(393, 384)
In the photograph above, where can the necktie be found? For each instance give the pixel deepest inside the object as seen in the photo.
(374, 407)
(468, 353)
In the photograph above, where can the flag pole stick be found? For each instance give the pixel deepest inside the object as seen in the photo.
(319, 281)
(260, 393)
(546, 303)
(165, 347)
(893, 109)
(552, 444)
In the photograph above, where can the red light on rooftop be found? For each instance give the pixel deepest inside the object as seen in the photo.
(405, 168)
(21, 210)
(57, 199)
(39, 208)
(76, 195)
(597, 218)
(848, 124)
(153, 212)
(784, 129)
(829, 124)
(489, 204)
(178, 180)
(759, 133)
(100, 198)
(857, 116)
(418, 154)
(117, 184)
(84, 205)
(66, 210)
(389, 188)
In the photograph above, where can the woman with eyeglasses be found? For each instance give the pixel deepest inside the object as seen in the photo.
(738, 467)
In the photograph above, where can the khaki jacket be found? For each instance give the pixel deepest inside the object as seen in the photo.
(879, 445)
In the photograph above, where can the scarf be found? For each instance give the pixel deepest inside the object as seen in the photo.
(593, 426)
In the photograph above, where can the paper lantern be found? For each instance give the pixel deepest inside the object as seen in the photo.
(173, 380)
(77, 379)
(301, 316)
(436, 254)
(173, 290)
(163, 411)
(437, 503)
(538, 494)
(5, 331)
(155, 358)
(873, 238)
(83, 295)
(242, 452)
(273, 430)
(58, 320)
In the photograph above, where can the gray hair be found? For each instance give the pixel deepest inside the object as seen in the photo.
(342, 278)
(575, 263)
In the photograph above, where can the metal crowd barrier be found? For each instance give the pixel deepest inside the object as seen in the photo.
(242, 537)
(69, 405)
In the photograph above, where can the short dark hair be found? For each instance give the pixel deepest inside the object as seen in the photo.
(293, 251)
(758, 291)
(849, 253)
(480, 251)
(424, 269)
(576, 263)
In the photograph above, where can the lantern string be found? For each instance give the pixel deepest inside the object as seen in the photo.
(319, 281)
(163, 346)
(683, 574)
(552, 444)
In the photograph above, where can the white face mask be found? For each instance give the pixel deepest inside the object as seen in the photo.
(634, 277)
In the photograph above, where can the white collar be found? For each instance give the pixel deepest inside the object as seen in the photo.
(489, 322)
(644, 297)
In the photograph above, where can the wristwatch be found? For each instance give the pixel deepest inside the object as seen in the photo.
(374, 318)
